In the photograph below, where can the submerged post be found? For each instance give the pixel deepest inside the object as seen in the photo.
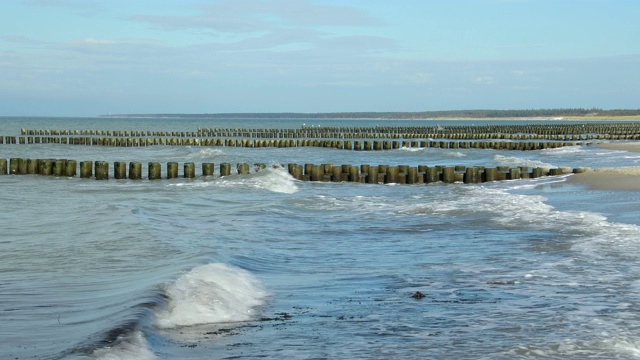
(155, 170)
(13, 166)
(101, 170)
(120, 170)
(448, 175)
(32, 166)
(172, 170)
(225, 169)
(70, 168)
(86, 169)
(46, 167)
(189, 170)
(135, 171)
(22, 166)
(207, 169)
(243, 168)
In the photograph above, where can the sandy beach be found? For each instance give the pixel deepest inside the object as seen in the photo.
(620, 178)
(625, 146)
(625, 178)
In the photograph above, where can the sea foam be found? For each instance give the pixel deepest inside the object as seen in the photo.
(209, 294)
(275, 179)
(127, 347)
(205, 154)
(516, 161)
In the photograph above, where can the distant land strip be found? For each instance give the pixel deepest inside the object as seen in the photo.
(554, 114)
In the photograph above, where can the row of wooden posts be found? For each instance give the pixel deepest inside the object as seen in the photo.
(282, 143)
(373, 174)
(575, 131)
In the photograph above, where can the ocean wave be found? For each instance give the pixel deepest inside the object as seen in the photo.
(126, 347)
(514, 161)
(274, 179)
(563, 150)
(209, 294)
(411, 149)
(205, 153)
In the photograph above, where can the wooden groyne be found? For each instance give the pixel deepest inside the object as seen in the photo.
(372, 174)
(499, 137)
(562, 132)
(358, 145)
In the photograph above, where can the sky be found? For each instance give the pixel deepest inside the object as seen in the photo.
(93, 57)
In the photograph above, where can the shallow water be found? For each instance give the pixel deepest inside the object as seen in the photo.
(266, 266)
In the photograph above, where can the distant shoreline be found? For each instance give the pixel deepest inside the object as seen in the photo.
(389, 117)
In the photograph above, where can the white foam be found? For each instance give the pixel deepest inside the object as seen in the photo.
(209, 294)
(454, 154)
(275, 179)
(130, 347)
(564, 150)
(411, 149)
(516, 161)
(205, 153)
(272, 179)
(599, 236)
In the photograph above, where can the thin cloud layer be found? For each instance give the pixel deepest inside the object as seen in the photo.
(310, 56)
(254, 16)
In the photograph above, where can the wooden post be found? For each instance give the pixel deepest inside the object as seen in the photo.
(392, 175)
(155, 171)
(86, 169)
(471, 175)
(32, 166)
(490, 174)
(135, 170)
(514, 174)
(207, 169)
(448, 175)
(58, 167)
(354, 174)
(336, 175)
(22, 166)
(242, 168)
(373, 175)
(101, 170)
(412, 176)
(225, 169)
(46, 167)
(70, 169)
(555, 172)
(13, 166)
(432, 175)
(172, 170)
(189, 170)
(317, 172)
(120, 170)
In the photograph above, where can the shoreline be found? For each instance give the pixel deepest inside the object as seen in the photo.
(524, 119)
(626, 178)
(632, 146)
(620, 178)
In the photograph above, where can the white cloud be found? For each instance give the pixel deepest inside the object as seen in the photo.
(252, 16)
(93, 41)
(485, 80)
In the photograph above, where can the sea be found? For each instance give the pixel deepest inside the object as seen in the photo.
(263, 266)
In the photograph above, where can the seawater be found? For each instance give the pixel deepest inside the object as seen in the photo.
(264, 266)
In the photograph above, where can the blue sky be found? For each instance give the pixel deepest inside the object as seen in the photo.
(86, 57)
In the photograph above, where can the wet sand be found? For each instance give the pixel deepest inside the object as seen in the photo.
(620, 178)
(625, 178)
(625, 146)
